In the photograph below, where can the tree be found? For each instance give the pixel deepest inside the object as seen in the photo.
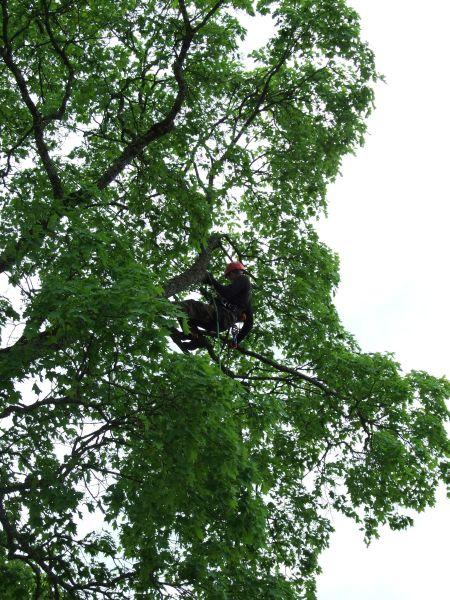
(140, 146)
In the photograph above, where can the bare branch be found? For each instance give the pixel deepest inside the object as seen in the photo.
(284, 369)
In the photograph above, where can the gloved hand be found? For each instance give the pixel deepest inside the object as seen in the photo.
(207, 295)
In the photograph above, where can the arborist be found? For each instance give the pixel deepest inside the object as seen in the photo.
(231, 305)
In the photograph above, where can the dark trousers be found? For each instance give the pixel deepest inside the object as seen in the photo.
(205, 316)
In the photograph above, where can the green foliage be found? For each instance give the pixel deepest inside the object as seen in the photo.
(16, 580)
(131, 132)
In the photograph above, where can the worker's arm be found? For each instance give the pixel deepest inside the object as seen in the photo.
(248, 324)
(232, 289)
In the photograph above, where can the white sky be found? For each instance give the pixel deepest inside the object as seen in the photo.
(389, 216)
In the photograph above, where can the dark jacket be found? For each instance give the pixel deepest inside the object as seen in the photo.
(238, 293)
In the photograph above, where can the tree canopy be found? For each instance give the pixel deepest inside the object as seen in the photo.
(142, 143)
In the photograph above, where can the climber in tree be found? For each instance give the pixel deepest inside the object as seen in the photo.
(232, 304)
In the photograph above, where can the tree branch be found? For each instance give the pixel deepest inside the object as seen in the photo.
(284, 369)
(209, 14)
(59, 113)
(38, 120)
(130, 152)
(157, 130)
(280, 367)
(21, 409)
(196, 272)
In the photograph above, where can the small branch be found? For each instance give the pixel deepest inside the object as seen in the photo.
(209, 14)
(185, 15)
(9, 153)
(284, 369)
(21, 409)
(235, 248)
(217, 360)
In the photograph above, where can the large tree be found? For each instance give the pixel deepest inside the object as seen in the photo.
(140, 146)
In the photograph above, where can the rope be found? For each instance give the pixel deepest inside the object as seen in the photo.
(218, 331)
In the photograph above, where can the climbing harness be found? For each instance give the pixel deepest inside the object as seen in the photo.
(227, 305)
(218, 329)
(237, 315)
(234, 335)
(234, 329)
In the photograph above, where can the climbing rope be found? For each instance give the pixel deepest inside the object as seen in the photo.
(218, 331)
(234, 329)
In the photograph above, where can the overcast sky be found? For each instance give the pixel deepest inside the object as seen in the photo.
(389, 217)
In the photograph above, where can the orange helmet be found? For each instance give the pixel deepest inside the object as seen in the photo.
(234, 266)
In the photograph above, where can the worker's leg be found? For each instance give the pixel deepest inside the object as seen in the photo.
(199, 315)
(202, 315)
(199, 342)
(225, 320)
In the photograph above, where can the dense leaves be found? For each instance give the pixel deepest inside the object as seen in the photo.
(141, 144)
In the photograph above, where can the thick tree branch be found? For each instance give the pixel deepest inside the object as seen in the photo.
(28, 349)
(157, 130)
(196, 272)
